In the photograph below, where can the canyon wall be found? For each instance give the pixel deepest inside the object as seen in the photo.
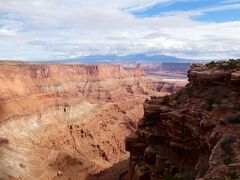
(193, 134)
(68, 120)
(47, 84)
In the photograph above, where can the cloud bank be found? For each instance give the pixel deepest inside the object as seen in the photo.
(58, 29)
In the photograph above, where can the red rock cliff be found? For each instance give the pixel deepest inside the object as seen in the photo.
(30, 78)
(193, 134)
(46, 83)
(67, 120)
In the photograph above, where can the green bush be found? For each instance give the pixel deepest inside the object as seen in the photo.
(210, 65)
(179, 178)
(232, 64)
(238, 108)
(227, 159)
(226, 146)
(189, 91)
(232, 175)
(225, 96)
(203, 169)
(233, 119)
(177, 98)
(210, 102)
(173, 178)
(166, 99)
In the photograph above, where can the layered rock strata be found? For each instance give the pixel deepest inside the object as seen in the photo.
(193, 134)
(67, 120)
(50, 84)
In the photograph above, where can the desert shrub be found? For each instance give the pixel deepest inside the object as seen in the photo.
(232, 64)
(189, 91)
(179, 178)
(166, 99)
(225, 95)
(227, 160)
(231, 175)
(238, 108)
(177, 98)
(226, 146)
(203, 170)
(210, 65)
(233, 119)
(174, 178)
(226, 143)
(210, 102)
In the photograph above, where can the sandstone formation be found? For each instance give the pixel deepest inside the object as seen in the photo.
(67, 120)
(193, 134)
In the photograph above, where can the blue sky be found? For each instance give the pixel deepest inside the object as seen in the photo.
(65, 29)
(228, 14)
(177, 6)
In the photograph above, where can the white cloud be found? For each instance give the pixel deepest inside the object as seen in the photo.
(5, 32)
(43, 29)
(231, 1)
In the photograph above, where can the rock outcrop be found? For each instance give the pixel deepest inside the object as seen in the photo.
(193, 134)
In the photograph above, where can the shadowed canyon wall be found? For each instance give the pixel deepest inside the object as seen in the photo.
(193, 134)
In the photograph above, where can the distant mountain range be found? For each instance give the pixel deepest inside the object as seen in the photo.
(126, 59)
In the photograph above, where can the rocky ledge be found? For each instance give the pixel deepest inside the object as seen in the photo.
(193, 134)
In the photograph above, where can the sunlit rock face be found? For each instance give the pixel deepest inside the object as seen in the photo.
(68, 120)
(193, 134)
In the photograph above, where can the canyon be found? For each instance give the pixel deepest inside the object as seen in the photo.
(191, 134)
(69, 121)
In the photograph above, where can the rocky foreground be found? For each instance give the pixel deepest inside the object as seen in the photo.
(68, 120)
(193, 134)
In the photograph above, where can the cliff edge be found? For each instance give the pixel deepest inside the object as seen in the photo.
(194, 134)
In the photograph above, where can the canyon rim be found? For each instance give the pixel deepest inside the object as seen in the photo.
(69, 120)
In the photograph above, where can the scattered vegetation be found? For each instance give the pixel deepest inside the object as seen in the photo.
(226, 146)
(232, 64)
(203, 169)
(225, 96)
(227, 160)
(189, 91)
(232, 118)
(226, 143)
(174, 178)
(179, 178)
(210, 65)
(231, 175)
(238, 108)
(210, 102)
(177, 98)
(166, 99)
